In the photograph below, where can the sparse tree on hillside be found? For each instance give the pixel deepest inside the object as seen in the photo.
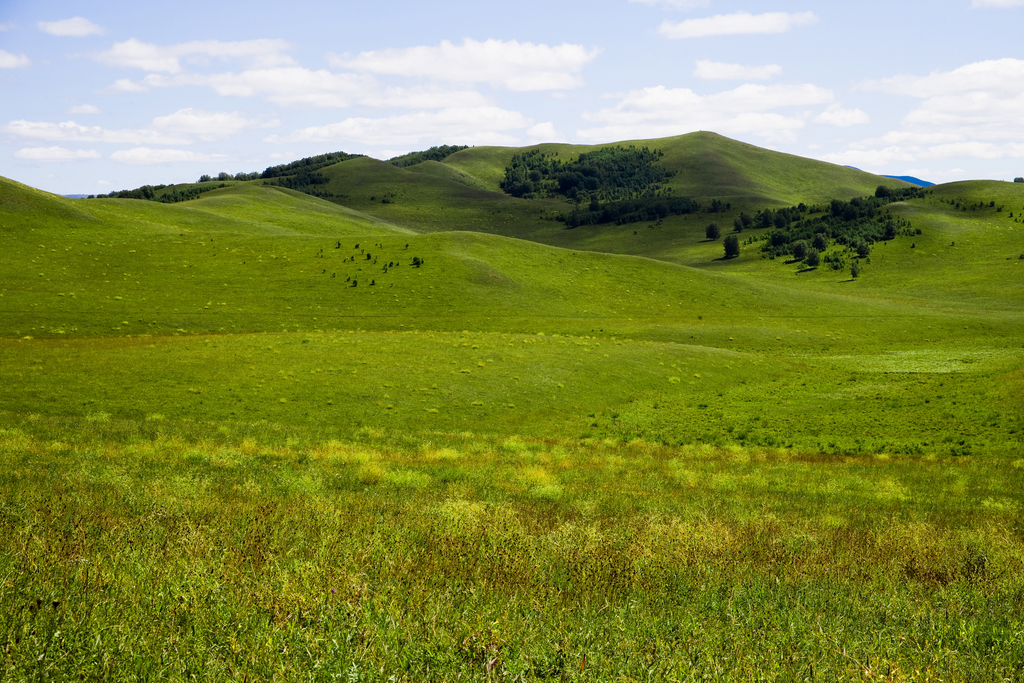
(732, 246)
(820, 242)
(855, 269)
(1018, 180)
(713, 232)
(813, 258)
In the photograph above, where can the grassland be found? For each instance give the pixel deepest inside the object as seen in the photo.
(247, 437)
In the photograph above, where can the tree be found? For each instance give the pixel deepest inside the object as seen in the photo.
(799, 250)
(732, 246)
(205, 178)
(813, 258)
(1018, 180)
(713, 232)
(855, 269)
(820, 242)
(737, 224)
(223, 175)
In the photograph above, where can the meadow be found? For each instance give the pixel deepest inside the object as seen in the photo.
(263, 436)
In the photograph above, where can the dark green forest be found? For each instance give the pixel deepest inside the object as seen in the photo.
(607, 174)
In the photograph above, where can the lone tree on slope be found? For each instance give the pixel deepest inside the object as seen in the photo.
(732, 246)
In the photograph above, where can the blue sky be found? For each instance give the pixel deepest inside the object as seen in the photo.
(97, 97)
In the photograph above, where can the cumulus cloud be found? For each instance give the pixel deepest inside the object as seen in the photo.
(76, 26)
(180, 128)
(974, 111)
(56, 154)
(543, 132)
(736, 24)
(144, 155)
(835, 115)
(10, 61)
(468, 125)
(746, 110)
(208, 126)
(84, 109)
(70, 131)
(135, 54)
(297, 86)
(738, 72)
(506, 64)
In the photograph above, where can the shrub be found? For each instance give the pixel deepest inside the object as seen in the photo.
(712, 231)
(813, 258)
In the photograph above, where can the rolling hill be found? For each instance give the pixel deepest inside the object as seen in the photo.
(418, 428)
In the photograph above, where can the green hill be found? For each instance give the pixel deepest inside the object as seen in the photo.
(424, 431)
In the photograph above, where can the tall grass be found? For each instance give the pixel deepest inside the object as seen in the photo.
(169, 551)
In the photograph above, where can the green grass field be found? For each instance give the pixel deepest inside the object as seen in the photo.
(263, 436)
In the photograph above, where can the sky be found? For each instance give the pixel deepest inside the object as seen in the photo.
(103, 96)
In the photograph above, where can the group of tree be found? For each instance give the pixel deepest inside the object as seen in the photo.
(438, 153)
(307, 165)
(629, 211)
(1018, 179)
(806, 232)
(154, 193)
(607, 174)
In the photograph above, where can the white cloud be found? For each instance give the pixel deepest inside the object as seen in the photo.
(735, 24)
(455, 125)
(180, 128)
(676, 4)
(999, 75)
(835, 115)
(144, 155)
(997, 3)
(77, 26)
(974, 111)
(258, 54)
(84, 109)
(9, 61)
(720, 71)
(507, 64)
(69, 131)
(543, 132)
(56, 154)
(208, 126)
(302, 87)
(746, 110)
(6, 27)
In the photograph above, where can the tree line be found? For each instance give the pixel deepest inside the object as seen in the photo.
(437, 153)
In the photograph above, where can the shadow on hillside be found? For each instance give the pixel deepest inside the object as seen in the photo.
(807, 269)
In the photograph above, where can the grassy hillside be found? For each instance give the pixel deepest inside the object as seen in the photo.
(708, 165)
(265, 436)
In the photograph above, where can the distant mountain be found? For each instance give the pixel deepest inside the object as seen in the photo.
(905, 178)
(76, 196)
(910, 179)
